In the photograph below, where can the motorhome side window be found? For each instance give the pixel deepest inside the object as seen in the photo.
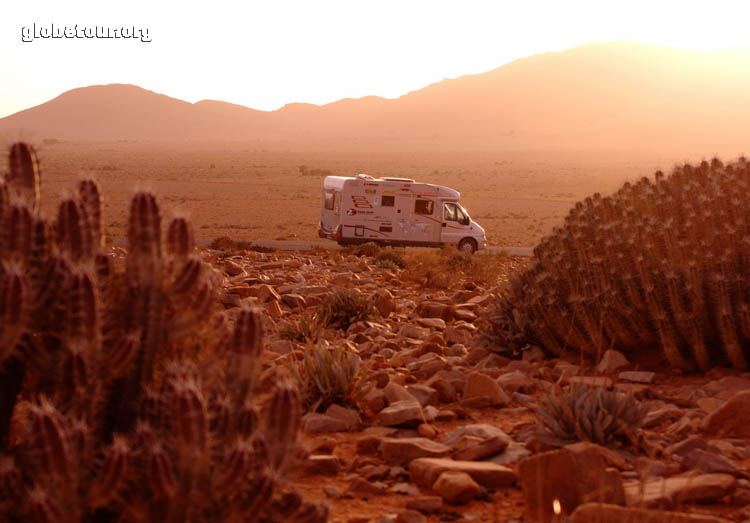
(423, 207)
(387, 201)
(328, 204)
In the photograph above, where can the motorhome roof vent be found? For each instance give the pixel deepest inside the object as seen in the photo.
(405, 180)
(365, 177)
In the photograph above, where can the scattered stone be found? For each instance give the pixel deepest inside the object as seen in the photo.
(425, 504)
(410, 516)
(397, 451)
(362, 486)
(384, 302)
(482, 391)
(314, 422)
(425, 471)
(412, 331)
(513, 453)
(266, 293)
(426, 430)
(611, 361)
(599, 512)
(325, 464)
(670, 492)
(592, 381)
(456, 488)
(482, 450)
(425, 394)
(348, 416)
(434, 309)
(637, 376)
(731, 419)
(395, 392)
(407, 489)
(705, 461)
(232, 268)
(401, 414)
(293, 301)
(432, 323)
(483, 431)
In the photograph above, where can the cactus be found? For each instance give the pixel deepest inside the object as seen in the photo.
(660, 265)
(128, 395)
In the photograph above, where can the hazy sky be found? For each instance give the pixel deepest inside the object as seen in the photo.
(266, 54)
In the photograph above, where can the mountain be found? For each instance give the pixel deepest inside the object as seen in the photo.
(617, 95)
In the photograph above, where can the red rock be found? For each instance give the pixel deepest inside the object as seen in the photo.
(670, 492)
(425, 471)
(482, 391)
(601, 512)
(731, 419)
(456, 488)
(399, 451)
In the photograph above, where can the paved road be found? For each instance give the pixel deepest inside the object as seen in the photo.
(284, 245)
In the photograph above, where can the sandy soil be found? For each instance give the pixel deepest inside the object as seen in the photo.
(235, 190)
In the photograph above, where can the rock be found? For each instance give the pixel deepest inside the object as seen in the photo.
(465, 315)
(731, 419)
(727, 386)
(398, 451)
(434, 309)
(425, 471)
(314, 422)
(482, 450)
(425, 395)
(394, 392)
(705, 461)
(483, 431)
(516, 381)
(325, 464)
(674, 491)
(573, 475)
(374, 399)
(482, 391)
(412, 331)
(362, 486)
(348, 416)
(513, 453)
(230, 301)
(232, 268)
(293, 301)
(600, 512)
(401, 414)
(533, 353)
(426, 430)
(592, 381)
(457, 488)
(637, 376)
(432, 323)
(454, 335)
(611, 361)
(266, 293)
(408, 489)
(425, 504)
(368, 444)
(410, 516)
(384, 302)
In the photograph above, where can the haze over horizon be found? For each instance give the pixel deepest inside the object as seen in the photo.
(267, 55)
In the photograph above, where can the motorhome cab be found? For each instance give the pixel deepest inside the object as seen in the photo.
(395, 211)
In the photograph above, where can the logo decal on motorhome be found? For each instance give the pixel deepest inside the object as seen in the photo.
(351, 212)
(361, 202)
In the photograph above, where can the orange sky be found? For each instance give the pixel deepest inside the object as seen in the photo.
(266, 54)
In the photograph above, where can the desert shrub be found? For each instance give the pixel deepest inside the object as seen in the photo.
(390, 259)
(584, 413)
(328, 374)
(124, 392)
(367, 249)
(306, 328)
(448, 267)
(343, 307)
(660, 265)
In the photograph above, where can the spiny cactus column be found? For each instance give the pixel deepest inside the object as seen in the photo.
(662, 265)
(138, 399)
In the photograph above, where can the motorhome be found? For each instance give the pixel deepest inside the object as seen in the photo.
(395, 211)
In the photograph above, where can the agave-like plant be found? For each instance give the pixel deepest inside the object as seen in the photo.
(329, 374)
(342, 307)
(584, 413)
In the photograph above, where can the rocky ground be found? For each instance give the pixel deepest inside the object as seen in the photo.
(446, 429)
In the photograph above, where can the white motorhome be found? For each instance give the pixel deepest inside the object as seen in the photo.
(395, 211)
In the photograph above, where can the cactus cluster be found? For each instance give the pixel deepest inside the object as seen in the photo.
(659, 265)
(124, 393)
(584, 413)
